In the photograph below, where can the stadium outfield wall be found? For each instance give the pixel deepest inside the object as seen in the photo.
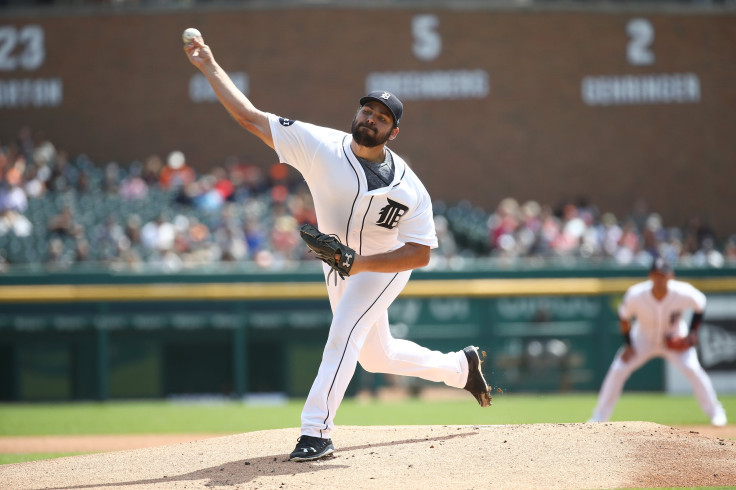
(66, 336)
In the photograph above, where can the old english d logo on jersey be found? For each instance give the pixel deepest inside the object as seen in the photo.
(391, 213)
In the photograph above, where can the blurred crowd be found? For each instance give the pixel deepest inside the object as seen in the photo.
(580, 230)
(60, 212)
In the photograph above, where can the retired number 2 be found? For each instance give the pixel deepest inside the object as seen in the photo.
(641, 36)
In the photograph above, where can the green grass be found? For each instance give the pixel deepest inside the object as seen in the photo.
(234, 417)
(23, 457)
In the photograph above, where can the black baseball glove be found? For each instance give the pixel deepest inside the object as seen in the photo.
(330, 250)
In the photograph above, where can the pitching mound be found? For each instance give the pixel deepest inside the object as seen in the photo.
(611, 455)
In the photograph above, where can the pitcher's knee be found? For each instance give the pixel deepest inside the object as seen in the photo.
(375, 364)
(370, 366)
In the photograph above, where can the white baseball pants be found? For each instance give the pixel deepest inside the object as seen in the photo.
(360, 333)
(686, 361)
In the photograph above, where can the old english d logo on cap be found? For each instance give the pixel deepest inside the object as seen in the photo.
(389, 100)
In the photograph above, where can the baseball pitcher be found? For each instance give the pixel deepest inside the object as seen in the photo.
(375, 225)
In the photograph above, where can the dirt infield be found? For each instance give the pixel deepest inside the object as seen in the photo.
(610, 455)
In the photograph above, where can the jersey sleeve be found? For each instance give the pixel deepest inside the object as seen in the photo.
(697, 298)
(625, 310)
(296, 143)
(419, 227)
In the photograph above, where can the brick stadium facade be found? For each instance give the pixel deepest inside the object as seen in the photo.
(544, 105)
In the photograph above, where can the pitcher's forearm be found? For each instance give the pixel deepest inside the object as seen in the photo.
(410, 256)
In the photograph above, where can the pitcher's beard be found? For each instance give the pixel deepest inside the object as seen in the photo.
(365, 136)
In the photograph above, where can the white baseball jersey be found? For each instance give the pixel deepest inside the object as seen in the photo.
(370, 222)
(655, 319)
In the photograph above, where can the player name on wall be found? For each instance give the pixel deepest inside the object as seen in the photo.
(31, 92)
(23, 50)
(440, 84)
(677, 88)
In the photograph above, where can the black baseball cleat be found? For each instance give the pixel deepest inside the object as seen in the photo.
(309, 448)
(476, 382)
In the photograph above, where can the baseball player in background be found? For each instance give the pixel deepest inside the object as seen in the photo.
(370, 200)
(659, 330)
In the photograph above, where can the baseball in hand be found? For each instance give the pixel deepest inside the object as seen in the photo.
(190, 34)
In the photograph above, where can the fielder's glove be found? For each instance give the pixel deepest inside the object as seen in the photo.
(327, 247)
(675, 342)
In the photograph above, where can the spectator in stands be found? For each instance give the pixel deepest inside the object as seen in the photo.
(231, 241)
(151, 170)
(301, 206)
(158, 235)
(208, 197)
(249, 181)
(64, 224)
(132, 230)
(696, 231)
(111, 179)
(58, 257)
(12, 195)
(63, 175)
(628, 245)
(531, 226)
(270, 203)
(707, 255)
(107, 237)
(176, 173)
(35, 185)
(133, 187)
(223, 186)
(256, 236)
(14, 223)
(447, 247)
(128, 259)
(181, 244)
(729, 250)
(82, 252)
(285, 239)
(549, 232)
(503, 224)
(670, 247)
(609, 234)
(44, 154)
(573, 228)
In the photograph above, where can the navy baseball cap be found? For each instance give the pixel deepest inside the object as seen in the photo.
(389, 100)
(662, 266)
